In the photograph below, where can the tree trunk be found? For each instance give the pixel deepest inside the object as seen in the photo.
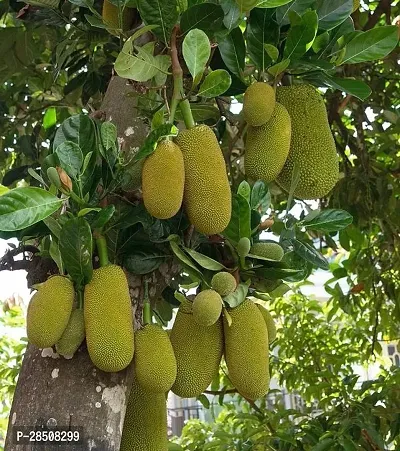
(53, 391)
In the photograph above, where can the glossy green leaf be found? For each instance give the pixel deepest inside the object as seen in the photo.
(3, 190)
(78, 129)
(49, 118)
(23, 207)
(278, 68)
(332, 14)
(204, 16)
(163, 13)
(70, 156)
(238, 296)
(327, 220)
(356, 88)
(215, 84)
(108, 134)
(240, 223)
(150, 144)
(301, 34)
(260, 196)
(298, 6)
(144, 260)
(205, 261)
(272, 3)
(180, 254)
(310, 254)
(201, 112)
(244, 190)
(196, 51)
(233, 51)
(232, 13)
(103, 217)
(278, 273)
(76, 247)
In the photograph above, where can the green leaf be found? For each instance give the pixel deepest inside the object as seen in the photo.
(332, 14)
(298, 6)
(371, 45)
(196, 52)
(163, 13)
(260, 197)
(272, 51)
(204, 401)
(108, 133)
(201, 112)
(327, 221)
(180, 254)
(76, 247)
(144, 260)
(215, 84)
(78, 129)
(205, 261)
(150, 144)
(310, 254)
(23, 207)
(55, 254)
(49, 118)
(277, 273)
(244, 190)
(233, 51)
(54, 226)
(301, 34)
(232, 13)
(240, 223)
(278, 68)
(204, 16)
(272, 3)
(356, 88)
(103, 217)
(238, 296)
(3, 190)
(70, 156)
(325, 445)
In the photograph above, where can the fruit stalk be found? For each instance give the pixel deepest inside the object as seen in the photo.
(102, 249)
(146, 305)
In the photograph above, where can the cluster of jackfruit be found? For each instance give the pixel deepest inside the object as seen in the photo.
(289, 139)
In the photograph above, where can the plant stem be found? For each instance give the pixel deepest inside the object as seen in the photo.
(147, 314)
(80, 299)
(102, 249)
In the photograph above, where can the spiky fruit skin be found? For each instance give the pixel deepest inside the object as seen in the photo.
(267, 146)
(273, 251)
(312, 147)
(356, 5)
(223, 283)
(155, 362)
(73, 335)
(243, 247)
(110, 16)
(207, 196)
(258, 103)
(49, 311)
(163, 180)
(198, 351)
(246, 350)
(145, 424)
(269, 321)
(207, 307)
(108, 319)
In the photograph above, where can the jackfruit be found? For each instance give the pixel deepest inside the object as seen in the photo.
(269, 321)
(49, 311)
(207, 307)
(246, 350)
(312, 147)
(108, 319)
(73, 335)
(223, 283)
(198, 351)
(163, 179)
(155, 362)
(258, 103)
(145, 424)
(266, 249)
(207, 196)
(116, 19)
(356, 5)
(243, 247)
(267, 146)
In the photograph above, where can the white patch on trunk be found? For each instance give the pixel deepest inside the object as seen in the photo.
(98, 389)
(48, 352)
(98, 405)
(54, 373)
(129, 131)
(114, 397)
(14, 417)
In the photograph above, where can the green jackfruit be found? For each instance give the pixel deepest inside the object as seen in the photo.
(266, 249)
(269, 321)
(155, 362)
(258, 103)
(207, 307)
(198, 351)
(108, 319)
(207, 196)
(267, 146)
(223, 283)
(312, 147)
(73, 335)
(145, 424)
(246, 350)
(111, 16)
(163, 179)
(49, 311)
(243, 247)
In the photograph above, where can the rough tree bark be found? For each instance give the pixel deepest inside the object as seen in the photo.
(54, 391)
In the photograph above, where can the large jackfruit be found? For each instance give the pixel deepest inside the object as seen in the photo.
(246, 350)
(223, 283)
(267, 249)
(269, 321)
(49, 311)
(155, 362)
(163, 179)
(108, 319)
(145, 424)
(207, 196)
(116, 19)
(198, 351)
(73, 335)
(207, 307)
(267, 146)
(312, 147)
(258, 103)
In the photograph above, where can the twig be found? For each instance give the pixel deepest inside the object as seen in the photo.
(220, 392)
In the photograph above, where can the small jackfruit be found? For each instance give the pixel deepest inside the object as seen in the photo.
(258, 103)
(198, 351)
(267, 146)
(269, 321)
(73, 335)
(243, 247)
(155, 362)
(266, 249)
(246, 350)
(223, 283)
(108, 319)
(116, 19)
(207, 307)
(145, 424)
(163, 179)
(207, 196)
(312, 148)
(49, 311)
